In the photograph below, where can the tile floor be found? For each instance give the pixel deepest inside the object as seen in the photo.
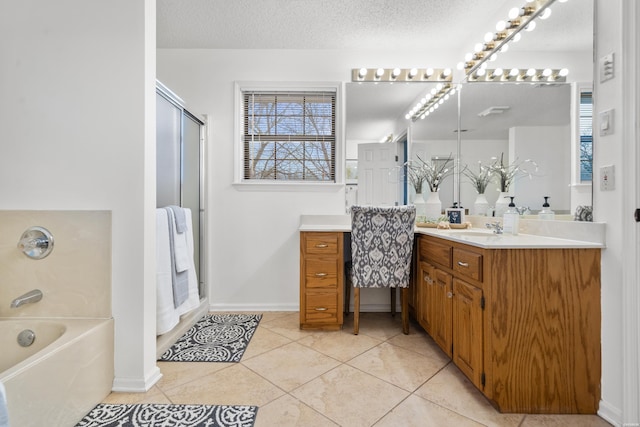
(377, 378)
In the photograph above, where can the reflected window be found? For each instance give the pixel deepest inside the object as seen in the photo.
(289, 135)
(586, 136)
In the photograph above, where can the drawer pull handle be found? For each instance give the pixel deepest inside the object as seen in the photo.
(322, 245)
(463, 264)
(321, 309)
(449, 294)
(321, 274)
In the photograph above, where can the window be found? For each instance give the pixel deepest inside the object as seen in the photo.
(586, 136)
(289, 136)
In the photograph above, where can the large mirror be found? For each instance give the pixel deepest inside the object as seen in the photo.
(565, 41)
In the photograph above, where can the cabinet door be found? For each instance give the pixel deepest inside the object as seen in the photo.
(426, 283)
(467, 330)
(441, 310)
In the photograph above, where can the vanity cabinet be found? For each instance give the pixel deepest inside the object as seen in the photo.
(522, 324)
(321, 280)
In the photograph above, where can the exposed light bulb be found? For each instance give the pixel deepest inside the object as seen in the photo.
(480, 72)
(493, 57)
(530, 26)
(460, 65)
(429, 72)
(413, 72)
(497, 72)
(395, 73)
(433, 91)
(546, 72)
(501, 26)
(362, 72)
(514, 72)
(516, 38)
(468, 57)
(564, 72)
(504, 48)
(407, 116)
(545, 14)
(531, 72)
(488, 37)
(379, 72)
(479, 47)
(439, 87)
(514, 13)
(446, 72)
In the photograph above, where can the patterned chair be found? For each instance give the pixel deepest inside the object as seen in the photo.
(381, 248)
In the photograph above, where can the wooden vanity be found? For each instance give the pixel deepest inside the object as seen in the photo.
(518, 315)
(522, 324)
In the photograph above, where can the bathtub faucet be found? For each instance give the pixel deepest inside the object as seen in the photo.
(30, 297)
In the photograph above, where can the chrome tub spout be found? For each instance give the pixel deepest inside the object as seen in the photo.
(30, 297)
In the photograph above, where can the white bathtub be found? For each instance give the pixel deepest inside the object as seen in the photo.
(65, 372)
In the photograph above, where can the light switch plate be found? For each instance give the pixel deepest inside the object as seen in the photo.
(607, 178)
(605, 122)
(607, 67)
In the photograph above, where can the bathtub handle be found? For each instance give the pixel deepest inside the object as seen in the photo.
(36, 242)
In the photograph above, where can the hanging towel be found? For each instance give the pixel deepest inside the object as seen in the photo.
(167, 317)
(181, 255)
(179, 279)
(4, 412)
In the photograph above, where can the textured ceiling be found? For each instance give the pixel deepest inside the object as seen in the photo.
(344, 24)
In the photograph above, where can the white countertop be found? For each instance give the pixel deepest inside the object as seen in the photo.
(540, 234)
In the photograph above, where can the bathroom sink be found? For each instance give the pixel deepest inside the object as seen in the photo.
(471, 233)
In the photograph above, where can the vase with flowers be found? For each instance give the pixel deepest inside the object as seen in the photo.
(506, 175)
(432, 174)
(479, 180)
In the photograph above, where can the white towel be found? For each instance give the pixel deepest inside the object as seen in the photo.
(4, 413)
(181, 250)
(179, 276)
(167, 316)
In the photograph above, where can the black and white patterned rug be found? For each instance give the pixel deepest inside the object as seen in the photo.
(214, 338)
(164, 415)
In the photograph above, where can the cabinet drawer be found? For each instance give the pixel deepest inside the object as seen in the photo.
(435, 252)
(322, 243)
(321, 272)
(321, 307)
(467, 263)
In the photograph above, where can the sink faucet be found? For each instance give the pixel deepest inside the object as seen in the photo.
(30, 297)
(497, 227)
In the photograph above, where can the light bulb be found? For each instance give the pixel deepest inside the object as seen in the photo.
(479, 47)
(546, 72)
(362, 72)
(530, 26)
(514, 72)
(497, 72)
(468, 57)
(493, 57)
(379, 72)
(545, 14)
(413, 72)
(564, 72)
(429, 72)
(446, 72)
(407, 116)
(501, 26)
(516, 38)
(439, 87)
(395, 73)
(488, 37)
(446, 97)
(480, 72)
(514, 13)
(504, 48)
(460, 65)
(531, 72)
(433, 91)
(440, 102)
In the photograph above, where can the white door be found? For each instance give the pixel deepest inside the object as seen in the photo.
(379, 174)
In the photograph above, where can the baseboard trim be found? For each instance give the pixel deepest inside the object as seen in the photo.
(254, 307)
(130, 385)
(610, 413)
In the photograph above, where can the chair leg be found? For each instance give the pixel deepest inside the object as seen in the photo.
(356, 311)
(393, 302)
(347, 293)
(404, 300)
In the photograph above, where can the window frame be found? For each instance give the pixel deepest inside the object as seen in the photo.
(241, 183)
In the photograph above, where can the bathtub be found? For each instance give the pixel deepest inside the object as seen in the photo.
(65, 372)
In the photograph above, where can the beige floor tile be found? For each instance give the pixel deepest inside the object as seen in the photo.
(262, 341)
(287, 325)
(564, 421)
(382, 326)
(291, 365)
(420, 342)
(341, 345)
(235, 385)
(288, 411)
(417, 412)
(350, 397)
(268, 316)
(451, 389)
(154, 395)
(178, 373)
(401, 367)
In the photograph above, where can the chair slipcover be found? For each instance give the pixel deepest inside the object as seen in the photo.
(381, 245)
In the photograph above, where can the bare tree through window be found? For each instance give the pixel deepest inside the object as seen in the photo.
(289, 136)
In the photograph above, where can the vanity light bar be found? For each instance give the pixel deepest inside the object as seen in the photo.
(506, 31)
(519, 75)
(431, 101)
(401, 75)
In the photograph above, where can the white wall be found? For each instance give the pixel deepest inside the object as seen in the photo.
(78, 133)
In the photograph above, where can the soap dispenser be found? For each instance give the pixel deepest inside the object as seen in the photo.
(511, 219)
(546, 212)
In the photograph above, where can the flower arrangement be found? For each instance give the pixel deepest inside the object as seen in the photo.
(433, 173)
(481, 179)
(507, 174)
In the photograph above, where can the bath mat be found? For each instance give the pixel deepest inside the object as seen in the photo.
(156, 415)
(214, 338)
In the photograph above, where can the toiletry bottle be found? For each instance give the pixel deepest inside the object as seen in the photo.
(546, 212)
(511, 219)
